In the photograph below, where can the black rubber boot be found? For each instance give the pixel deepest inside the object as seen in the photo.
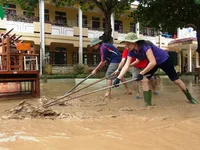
(190, 98)
(147, 97)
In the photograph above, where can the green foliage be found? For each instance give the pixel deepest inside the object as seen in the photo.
(7, 1)
(189, 73)
(58, 76)
(169, 15)
(197, 1)
(81, 75)
(128, 74)
(116, 6)
(78, 69)
(71, 75)
(27, 5)
(75, 75)
(107, 8)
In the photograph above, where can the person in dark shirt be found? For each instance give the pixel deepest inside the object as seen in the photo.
(158, 58)
(110, 54)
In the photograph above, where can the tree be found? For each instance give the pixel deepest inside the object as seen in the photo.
(28, 4)
(107, 7)
(168, 15)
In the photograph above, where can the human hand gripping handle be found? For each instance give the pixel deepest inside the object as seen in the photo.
(93, 72)
(116, 82)
(116, 72)
(139, 77)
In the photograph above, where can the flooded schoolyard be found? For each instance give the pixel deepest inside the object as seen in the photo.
(95, 123)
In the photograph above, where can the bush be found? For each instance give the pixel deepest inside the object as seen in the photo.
(81, 76)
(128, 74)
(78, 69)
(100, 74)
(188, 73)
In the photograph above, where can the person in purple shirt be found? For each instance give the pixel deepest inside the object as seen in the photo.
(109, 54)
(158, 58)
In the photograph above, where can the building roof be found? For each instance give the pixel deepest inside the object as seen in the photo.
(183, 40)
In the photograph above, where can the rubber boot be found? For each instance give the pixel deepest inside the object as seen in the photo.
(150, 97)
(147, 97)
(189, 97)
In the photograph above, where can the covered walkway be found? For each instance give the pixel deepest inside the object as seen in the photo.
(188, 58)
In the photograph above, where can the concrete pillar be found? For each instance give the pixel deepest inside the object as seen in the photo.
(80, 22)
(190, 58)
(179, 61)
(197, 59)
(42, 36)
(137, 29)
(179, 33)
(160, 40)
(112, 24)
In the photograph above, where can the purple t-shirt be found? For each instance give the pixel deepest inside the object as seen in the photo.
(110, 53)
(159, 54)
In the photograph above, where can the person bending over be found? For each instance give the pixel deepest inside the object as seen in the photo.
(158, 58)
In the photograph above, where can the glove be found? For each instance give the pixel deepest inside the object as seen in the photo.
(116, 82)
(139, 77)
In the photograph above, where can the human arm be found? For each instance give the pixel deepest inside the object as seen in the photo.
(100, 65)
(152, 62)
(103, 54)
(122, 72)
(121, 64)
(124, 57)
(125, 67)
(134, 63)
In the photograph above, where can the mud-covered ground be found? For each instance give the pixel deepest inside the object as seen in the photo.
(93, 122)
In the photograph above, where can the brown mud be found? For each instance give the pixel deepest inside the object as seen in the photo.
(95, 123)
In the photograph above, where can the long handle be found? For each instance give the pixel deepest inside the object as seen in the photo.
(18, 38)
(78, 84)
(7, 33)
(95, 91)
(68, 94)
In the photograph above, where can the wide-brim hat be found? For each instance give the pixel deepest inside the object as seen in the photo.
(95, 41)
(131, 37)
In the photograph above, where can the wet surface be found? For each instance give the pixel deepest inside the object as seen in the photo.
(95, 123)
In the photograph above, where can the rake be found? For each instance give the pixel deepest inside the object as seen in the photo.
(70, 92)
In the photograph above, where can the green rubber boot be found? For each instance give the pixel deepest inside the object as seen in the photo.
(147, 97)
(190, 98)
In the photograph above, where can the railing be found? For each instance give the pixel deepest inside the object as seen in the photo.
(62, 31)
(20, 26)
(24, 27)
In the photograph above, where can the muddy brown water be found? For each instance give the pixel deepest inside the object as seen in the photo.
(95, 123)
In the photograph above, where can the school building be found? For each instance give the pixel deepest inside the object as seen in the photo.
(67, 35)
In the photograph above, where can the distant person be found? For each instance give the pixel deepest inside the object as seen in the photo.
(158, 58)
(110, 54)
(185, 66)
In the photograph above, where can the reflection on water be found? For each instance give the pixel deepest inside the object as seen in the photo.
(59, 87)
(96, 123)
(56, 87)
